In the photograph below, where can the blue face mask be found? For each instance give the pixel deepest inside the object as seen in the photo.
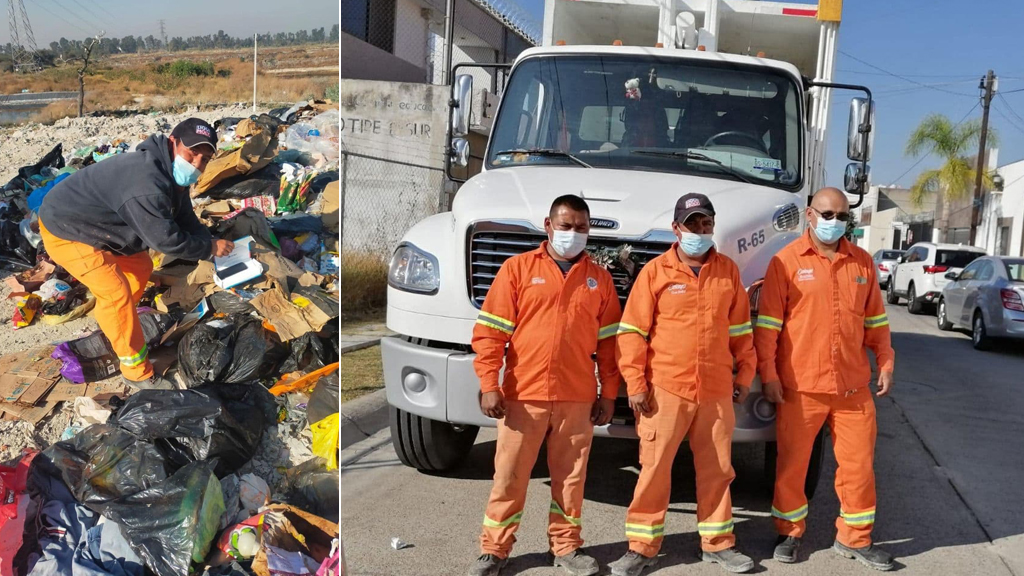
(695, 244)
(185, 174)
(829, 231)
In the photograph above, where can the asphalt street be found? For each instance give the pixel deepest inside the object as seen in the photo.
(949, 462)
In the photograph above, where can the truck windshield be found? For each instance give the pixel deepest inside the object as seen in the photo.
(646, 113)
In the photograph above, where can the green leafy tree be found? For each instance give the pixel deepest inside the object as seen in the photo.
(954, 179)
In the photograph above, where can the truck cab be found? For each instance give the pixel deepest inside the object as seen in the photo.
(630, 128)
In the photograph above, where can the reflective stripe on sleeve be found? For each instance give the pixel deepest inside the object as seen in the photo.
(740, 329)
(876, 321)
(608, 331)
(556, 509)
(627, 328)
(769, 322)
(793, 516)
(136, 359)
(513, 519)
(714, 528)
(496, 322)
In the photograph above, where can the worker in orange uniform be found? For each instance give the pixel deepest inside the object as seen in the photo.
(685, 323)
(820, 310)
(100, 222)
(546, 314)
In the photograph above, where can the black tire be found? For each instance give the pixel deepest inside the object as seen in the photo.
(940, 317)
(979, 335)
(771, 458)
(428, 445)
(913, 304)
(890, 292)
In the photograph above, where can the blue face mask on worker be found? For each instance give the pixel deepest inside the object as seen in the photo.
(185, 174)
(695, 244)
(829, 231)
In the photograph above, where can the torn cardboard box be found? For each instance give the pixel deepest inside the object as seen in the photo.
(27, 377)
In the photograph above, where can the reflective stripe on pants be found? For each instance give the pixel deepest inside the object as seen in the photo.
(568, 431)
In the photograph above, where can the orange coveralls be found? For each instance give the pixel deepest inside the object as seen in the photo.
(678, 338)
(118, 283)
(552, 325)
(817, 319)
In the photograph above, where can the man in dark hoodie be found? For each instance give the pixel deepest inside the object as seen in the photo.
(99, 222)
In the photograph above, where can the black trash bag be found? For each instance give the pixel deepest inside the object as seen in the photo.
(264, 182)
(312, 488)
(323, 401)
(222, 422)
(91, 358)
(306, 354)
(103, 463)
(320, 181)
(226, 123)
(248, 222)
(226, 302)
(174, 523)
(231, 350)
(53, 159)
(274, 124)
(296, 224)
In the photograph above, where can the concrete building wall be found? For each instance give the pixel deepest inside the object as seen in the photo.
(361, 60)
(412, 33)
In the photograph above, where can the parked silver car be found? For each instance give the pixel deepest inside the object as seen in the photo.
(885, 262)
(987, 297)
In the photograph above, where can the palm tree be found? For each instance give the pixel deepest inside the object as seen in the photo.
(955, 178)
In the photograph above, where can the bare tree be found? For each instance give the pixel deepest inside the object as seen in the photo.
(83, 69)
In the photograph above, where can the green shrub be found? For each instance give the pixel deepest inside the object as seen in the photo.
(186, 69)
(332, 93)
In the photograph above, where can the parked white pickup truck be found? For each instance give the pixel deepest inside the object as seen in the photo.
(630, 104)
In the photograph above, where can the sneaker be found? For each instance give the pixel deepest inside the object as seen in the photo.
(730, 559)
(871, 556)
(631, 564)
(786, 548)
(152, 383)
(577, 563)
(487, 565)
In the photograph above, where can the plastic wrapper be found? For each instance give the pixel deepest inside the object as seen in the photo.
(326, 439)
(323, 401)
(90, 359)
(53, 159)
(310, 486)
(26, 308)
(236, 349)
(69, 306)
(52, 288)
(263, 182)
(217, 422)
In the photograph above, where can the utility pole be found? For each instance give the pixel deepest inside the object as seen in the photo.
(988, 85)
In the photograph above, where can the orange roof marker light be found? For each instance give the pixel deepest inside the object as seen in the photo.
(760, 54)
(560, 43)
(701, 48)
(659, 45)
(617, 43)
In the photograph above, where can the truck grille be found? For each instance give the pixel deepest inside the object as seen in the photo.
(488, 250)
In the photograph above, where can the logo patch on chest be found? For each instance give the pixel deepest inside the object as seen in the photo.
(804, 274)
(860, 280)
(592, 283)
(677, 289)
(538, 280)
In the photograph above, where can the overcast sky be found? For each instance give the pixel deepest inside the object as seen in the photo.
(76, 19)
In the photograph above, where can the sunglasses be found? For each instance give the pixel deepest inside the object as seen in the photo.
(829, 215)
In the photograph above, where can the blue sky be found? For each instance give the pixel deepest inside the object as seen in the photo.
(77, 19)
(928, 42)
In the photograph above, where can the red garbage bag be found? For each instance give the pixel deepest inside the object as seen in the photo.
(13, 507)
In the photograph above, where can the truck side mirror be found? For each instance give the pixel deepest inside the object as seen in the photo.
(462, 105)
(856, 178)
(860, 135)
(460, 152)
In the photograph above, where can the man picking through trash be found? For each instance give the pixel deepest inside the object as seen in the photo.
(553, 308)
(99, 223)
(685, 323)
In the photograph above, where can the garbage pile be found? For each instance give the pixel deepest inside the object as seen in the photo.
(235, 471)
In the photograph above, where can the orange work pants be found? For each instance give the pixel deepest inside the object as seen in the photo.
(709, 425)
(568, 430)
(117, 282)
(851, 419)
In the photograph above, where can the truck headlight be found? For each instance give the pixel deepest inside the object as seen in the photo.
(414, 270)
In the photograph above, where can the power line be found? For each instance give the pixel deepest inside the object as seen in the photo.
(1009, 120)
(59, 17)
(908, 75)
(1007, 104)
(893, 74)
(94, 19)
(76, 16)
(100, 6)
(922, 158)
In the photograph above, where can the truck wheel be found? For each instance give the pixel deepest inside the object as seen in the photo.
(890, 292)
(913, 304)
(429, 445)
(771, 455)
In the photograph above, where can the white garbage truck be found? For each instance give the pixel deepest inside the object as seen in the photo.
(629, 104)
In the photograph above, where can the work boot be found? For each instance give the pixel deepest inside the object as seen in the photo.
(871, 556)
(730, 559)
(577, 563)
(154, 382)
(786, 548)
(631, 564)
(487, 565)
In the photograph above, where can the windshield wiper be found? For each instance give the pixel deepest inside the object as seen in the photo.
(547, 152)
(690, 155)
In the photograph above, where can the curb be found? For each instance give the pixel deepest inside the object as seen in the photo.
(362, 417)
(358, 346)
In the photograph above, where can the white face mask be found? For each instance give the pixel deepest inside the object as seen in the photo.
(567, 243)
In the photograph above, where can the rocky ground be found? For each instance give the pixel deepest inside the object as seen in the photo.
(284, 446)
